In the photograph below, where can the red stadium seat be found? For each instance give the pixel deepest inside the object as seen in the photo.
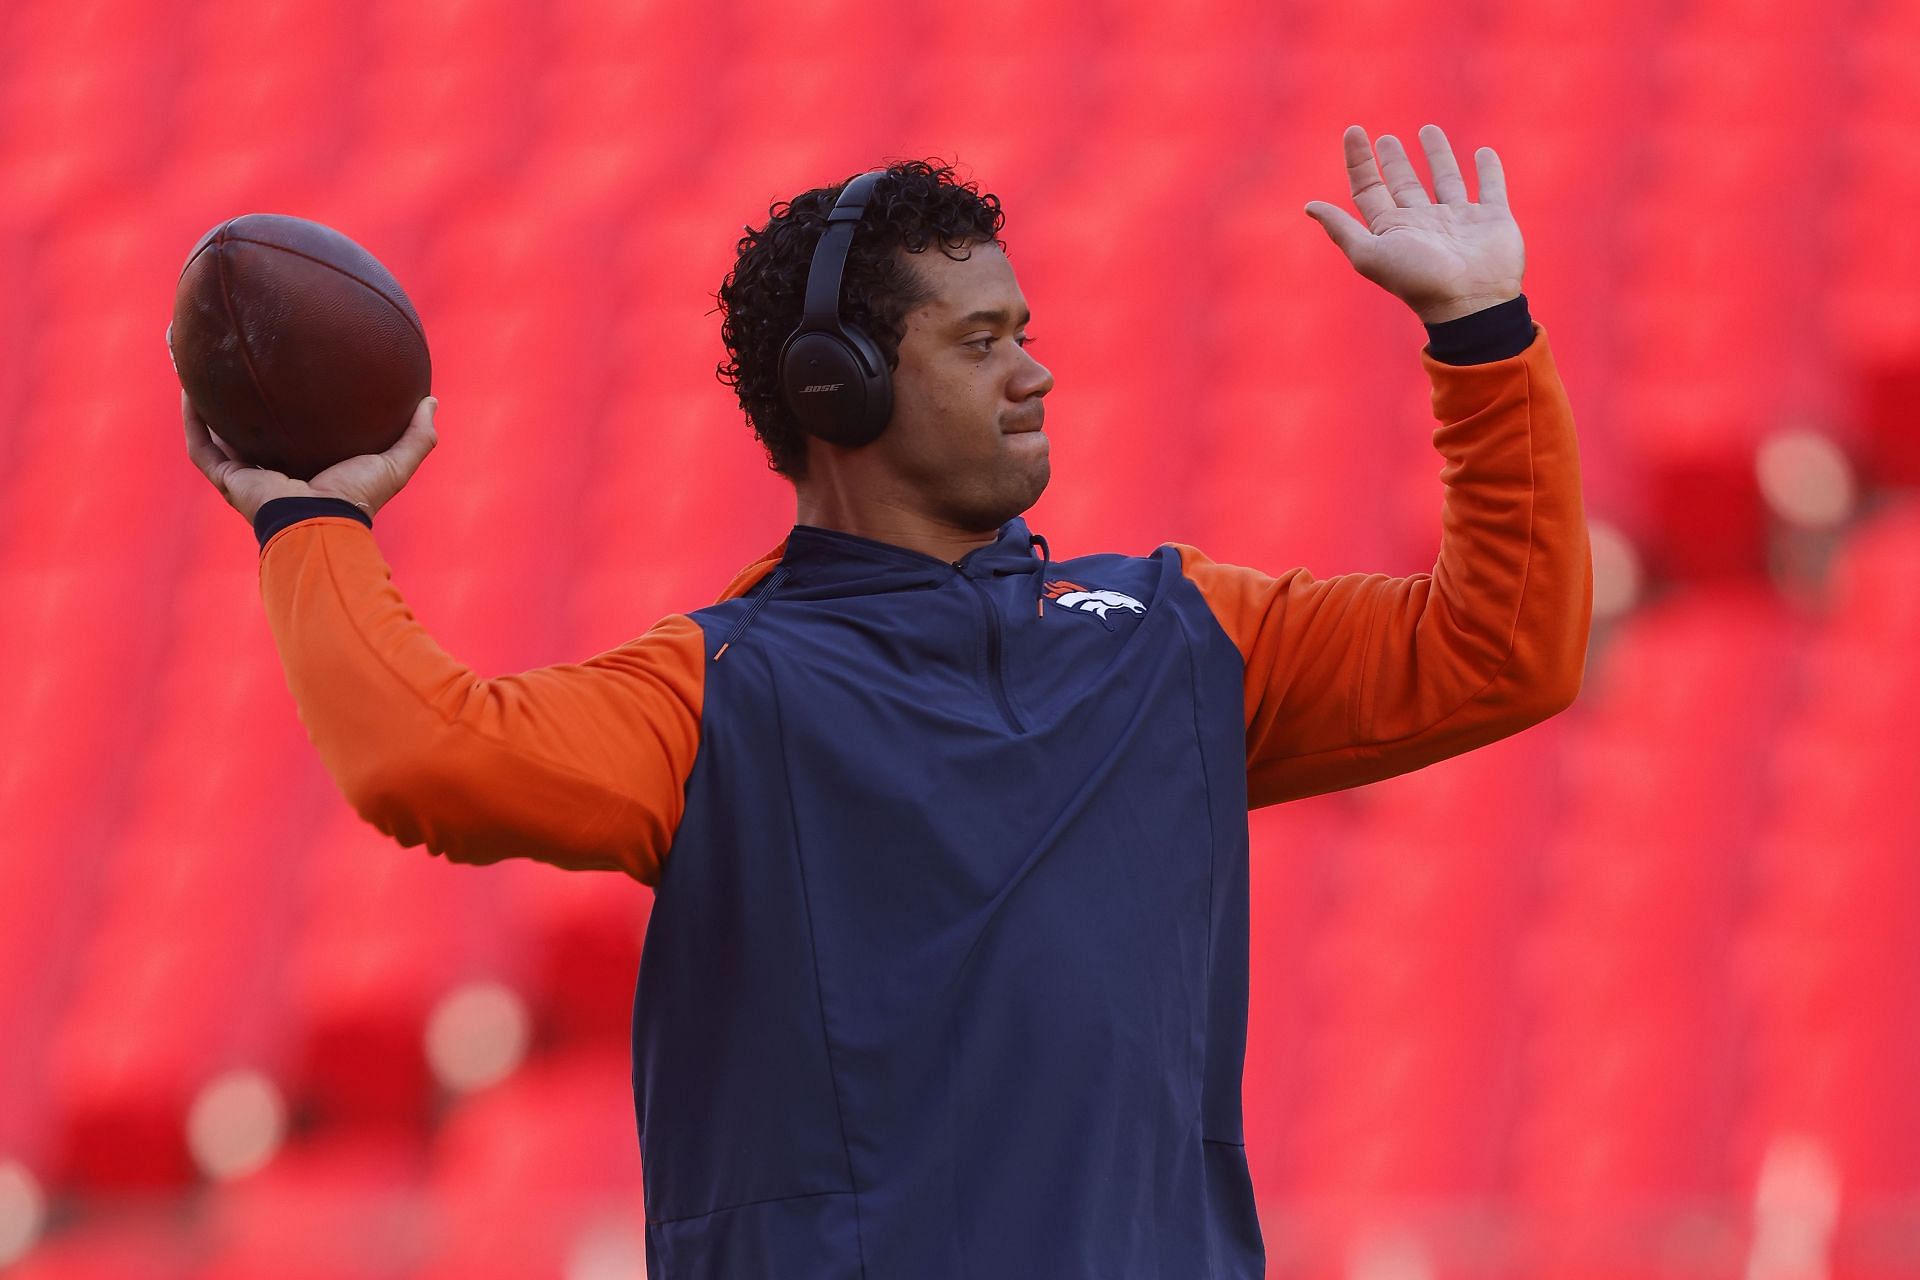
(527, 1175)
(155, 1243)
(79, 78)
(1630, 1070)
(1837, 895)
(1413, 975)
(584, 934)
(390, 932)
(1542, 1011)
(346, 1207)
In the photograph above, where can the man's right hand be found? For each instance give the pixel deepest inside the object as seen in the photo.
(368, 481)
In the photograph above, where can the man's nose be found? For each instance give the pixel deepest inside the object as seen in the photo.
(1031, 379)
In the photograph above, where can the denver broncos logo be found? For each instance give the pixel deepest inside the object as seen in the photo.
(1071, 595)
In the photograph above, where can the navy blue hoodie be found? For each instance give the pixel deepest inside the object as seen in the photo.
(952, 943)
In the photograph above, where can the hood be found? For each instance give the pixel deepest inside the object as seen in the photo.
(813, 563)
(826, 563)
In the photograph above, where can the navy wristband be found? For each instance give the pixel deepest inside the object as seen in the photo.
(276, 515)
(1492, 333)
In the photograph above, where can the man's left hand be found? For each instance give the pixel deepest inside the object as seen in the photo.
(1444, 260)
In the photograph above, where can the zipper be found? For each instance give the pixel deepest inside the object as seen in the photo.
(995, 679)
(765, 593)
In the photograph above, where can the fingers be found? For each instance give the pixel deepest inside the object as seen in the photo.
(202, 448)
(1369, 189)
(1448, 185)
(216, 463)
(1493, 178)
(1401, 180)
(1392, 183)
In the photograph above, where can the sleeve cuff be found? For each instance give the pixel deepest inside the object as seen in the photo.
(1492, 333)
(276, 515)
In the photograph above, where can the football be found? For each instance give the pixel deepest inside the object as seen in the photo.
(295, 345)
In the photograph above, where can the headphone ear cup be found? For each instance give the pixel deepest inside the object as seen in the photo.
(836, 385)
(876, 406)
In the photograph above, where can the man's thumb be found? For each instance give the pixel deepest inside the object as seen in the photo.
(417, 441)
(1341, 227)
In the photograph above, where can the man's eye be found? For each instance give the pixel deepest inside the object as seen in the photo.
(985, 344)
(1024, 340)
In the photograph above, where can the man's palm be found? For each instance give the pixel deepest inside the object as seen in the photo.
(1442, 259)
(368, 480)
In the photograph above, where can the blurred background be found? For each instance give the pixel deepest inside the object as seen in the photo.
(1632, 994)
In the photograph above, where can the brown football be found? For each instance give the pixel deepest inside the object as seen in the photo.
(295, 344)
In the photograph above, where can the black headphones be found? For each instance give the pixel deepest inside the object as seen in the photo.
(832, 376)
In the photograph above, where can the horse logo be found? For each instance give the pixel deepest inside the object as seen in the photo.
(1071, 595)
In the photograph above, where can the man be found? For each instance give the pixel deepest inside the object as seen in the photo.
(946, 974)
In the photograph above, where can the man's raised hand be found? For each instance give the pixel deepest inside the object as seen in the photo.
(368, 481)
(1444, 260)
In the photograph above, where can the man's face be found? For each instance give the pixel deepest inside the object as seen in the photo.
(965, 440)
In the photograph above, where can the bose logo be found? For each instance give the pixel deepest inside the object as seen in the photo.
(821, 386)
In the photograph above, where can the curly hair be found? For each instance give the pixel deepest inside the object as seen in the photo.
(918, 204)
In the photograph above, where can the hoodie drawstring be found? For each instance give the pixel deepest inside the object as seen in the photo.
(760, 598)
(1040, 578)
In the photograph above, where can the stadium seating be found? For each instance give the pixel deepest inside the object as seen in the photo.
(1564, 1007)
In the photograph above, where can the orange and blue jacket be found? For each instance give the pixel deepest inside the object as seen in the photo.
(947, 969)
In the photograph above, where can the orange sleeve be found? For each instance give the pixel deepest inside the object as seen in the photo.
(581, 765)
(1363, 676)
